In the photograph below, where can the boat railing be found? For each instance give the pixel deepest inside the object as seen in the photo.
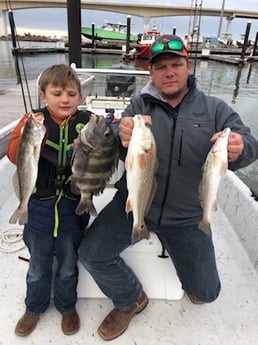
(5, 135)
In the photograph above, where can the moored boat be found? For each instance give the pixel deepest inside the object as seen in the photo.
(240, 42)
(109, 31)
(195, 38)
(226, 40)
(143, 47)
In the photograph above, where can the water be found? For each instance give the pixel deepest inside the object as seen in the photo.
(236, 85)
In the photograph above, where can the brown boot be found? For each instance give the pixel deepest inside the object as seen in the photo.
(194, 300)
(117, 321)
(26, 325)
(70, 323)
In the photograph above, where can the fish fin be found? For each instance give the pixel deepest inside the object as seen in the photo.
(128, 206)
(215, 160)
(74, 188)
(15, 181)
(129, 162)
(205, 226)
(223, 168)
(84, 206)
(35, 151)
(139, 233)
(149, 151)
(20, 215)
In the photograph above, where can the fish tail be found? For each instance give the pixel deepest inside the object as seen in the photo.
(84, 206)
(139, 233)
(20, 215)
(128, 206)
(205, 226)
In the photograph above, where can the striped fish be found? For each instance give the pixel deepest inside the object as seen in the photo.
(93, 162)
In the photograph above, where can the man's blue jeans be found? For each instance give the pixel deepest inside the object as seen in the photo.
(191, 250)
(43, 247)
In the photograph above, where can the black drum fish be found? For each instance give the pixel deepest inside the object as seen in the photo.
(93, 162)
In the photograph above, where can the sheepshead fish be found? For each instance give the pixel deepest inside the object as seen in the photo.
(93, 162)
(214, 169)
(140, 165)
(25, 176)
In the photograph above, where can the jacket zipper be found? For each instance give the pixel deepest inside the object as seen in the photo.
(63, 140)
(174, 115)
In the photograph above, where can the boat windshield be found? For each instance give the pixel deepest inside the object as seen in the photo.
(109, 90)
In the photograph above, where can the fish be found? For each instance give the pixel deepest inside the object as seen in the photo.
(141, 164)
(94, 160)
(25, 176)
(214, 169)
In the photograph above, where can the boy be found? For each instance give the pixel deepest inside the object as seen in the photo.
(53, 229)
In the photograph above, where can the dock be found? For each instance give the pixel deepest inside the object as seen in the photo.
(222, 54)
(35, 51)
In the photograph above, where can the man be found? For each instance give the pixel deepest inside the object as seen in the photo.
(185, 123)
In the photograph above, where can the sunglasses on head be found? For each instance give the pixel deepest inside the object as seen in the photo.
(176, 45)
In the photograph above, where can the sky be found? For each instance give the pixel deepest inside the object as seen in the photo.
(34, 20)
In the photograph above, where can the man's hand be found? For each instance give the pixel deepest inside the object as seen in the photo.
(235, 145)
(126, 128)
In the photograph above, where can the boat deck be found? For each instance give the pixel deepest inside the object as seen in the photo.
(231, 319)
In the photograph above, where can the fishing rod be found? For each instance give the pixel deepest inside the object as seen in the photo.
(198, 32)
(197, 14)
(16, 47)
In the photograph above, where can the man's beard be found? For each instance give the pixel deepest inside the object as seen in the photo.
(179, 94)
(171, 96)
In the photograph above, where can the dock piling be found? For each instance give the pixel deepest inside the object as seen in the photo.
(247, 31)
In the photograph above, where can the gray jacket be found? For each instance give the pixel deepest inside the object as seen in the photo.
(183, 142)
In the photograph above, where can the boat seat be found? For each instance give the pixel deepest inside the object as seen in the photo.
(154, 269)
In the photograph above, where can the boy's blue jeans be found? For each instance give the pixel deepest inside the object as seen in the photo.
(191, 250)
(43, 247)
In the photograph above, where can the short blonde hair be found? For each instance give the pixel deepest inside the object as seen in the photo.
(59, 75)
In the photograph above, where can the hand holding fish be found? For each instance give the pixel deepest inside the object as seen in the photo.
(235, 145)
(126, 128)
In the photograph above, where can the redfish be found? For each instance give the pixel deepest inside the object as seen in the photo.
(141, 165)
(214, 169)
(25, 176)
(93, 162)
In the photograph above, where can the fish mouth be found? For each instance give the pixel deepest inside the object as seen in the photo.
(38, 118)
(96, 118)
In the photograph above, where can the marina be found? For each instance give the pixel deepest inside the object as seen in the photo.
(170, 318)
(233, 82)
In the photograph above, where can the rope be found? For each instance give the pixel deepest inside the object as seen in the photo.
(11, 240)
